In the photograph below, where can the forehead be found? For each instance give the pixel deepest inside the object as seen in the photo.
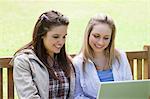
(102, 28)
(60, 30)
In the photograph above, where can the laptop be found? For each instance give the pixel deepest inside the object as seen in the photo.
(133, 89)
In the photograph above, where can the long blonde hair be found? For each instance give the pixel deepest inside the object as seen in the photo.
(110, 51)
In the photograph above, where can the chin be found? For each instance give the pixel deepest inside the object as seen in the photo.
(99, 51)
(57, 52)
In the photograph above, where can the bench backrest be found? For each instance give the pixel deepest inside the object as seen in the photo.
(4, 63)
(139, 61)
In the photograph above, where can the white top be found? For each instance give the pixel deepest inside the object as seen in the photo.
(88, 83)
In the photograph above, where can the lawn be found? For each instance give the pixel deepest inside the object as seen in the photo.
(17, 19)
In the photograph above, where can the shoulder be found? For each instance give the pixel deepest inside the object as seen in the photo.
(20, 60)
(121, 56)
(120, 53)
(78, 61)
(21, 63)
(22, 57)
(78, 58)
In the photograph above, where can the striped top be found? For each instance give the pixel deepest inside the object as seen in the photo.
(105, 75)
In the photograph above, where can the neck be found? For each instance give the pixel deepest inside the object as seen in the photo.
(100, 61)
(51, 55)
(99, 55)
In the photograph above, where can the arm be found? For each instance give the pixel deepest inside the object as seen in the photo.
(79, 94)
(127, 67)
(23, 80)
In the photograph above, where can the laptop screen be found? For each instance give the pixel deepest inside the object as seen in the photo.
(133, 89)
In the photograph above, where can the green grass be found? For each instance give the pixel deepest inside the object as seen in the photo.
(17, 19)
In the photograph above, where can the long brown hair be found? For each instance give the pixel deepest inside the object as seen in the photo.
(45, 23)
(110, 51)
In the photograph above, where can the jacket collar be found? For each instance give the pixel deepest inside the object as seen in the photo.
(30, 54)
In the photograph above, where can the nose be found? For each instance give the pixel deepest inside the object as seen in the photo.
(61, 41)
(100, 41)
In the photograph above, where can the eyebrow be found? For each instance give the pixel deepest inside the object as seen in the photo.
(65, 34)
(107, 35)
(99, 34)
(59, 34)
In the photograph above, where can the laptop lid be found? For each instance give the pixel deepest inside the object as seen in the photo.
(133, 89)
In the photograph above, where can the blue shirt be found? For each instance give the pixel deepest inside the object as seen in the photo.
(105, 75)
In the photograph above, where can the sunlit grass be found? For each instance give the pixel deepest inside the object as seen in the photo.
(18, 19)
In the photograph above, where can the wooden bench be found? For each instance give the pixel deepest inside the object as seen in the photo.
(4, 63)
(139, 61)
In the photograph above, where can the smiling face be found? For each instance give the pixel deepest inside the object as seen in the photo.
(55, 39)
(100, 37)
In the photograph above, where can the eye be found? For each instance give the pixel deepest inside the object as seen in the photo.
(106, 38)
(64, 36)
(96, 36)
(55, 36)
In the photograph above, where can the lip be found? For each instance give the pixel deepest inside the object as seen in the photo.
(58, 47)
(98, 46)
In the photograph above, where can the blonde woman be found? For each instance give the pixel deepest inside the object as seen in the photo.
(98, 60)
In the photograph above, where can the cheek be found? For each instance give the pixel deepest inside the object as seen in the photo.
(107, 42)
(47, 43)
(91, 39)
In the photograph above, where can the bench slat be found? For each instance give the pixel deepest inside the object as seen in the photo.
(1, 83)
(139, 69)
(132, 67)
(146, 69)
(10, 83)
